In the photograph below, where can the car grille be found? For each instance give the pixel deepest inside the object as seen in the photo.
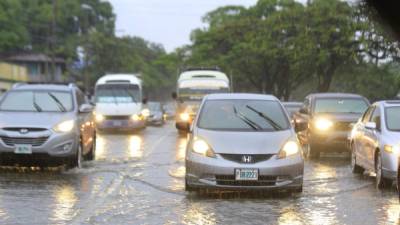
(253, 158)
(117, 117)
(12, 141)
(28, 129)
(343, 126)
(229, 180)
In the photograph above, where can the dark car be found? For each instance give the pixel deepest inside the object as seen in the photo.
(156, 113)
(292, 107)
(325, 120)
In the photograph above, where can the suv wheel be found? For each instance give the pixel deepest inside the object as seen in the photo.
(354, 167)
(76, 161)
(381, 182)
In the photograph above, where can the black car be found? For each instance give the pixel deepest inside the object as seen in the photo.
(325, 120)
(156, 113)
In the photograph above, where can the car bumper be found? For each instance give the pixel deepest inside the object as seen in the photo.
(331, 141)
(218, 173)
(121, 125)
(55, 150)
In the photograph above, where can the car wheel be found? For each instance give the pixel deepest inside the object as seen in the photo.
(381, 182)
(92, 154)
(76, 161)
(354, 167)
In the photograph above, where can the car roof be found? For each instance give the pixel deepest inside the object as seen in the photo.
(334, 95)
(50, 87)
(292, 103)
(388, 103)
(110, 78)
(230, 96)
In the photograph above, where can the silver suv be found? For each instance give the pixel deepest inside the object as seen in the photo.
(46, 125)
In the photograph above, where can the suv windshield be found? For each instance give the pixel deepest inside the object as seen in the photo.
(155, 106)
(393, 118)
(117, 93)
(37, 101)
(340, 105)
(243, 115)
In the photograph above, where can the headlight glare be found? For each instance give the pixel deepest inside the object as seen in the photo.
(201, 147)
(65, 126)
(99, 118)
(135, 117)
(290, 148)
(323, 124)
(392, 149)
(184, 116)
(146, 112)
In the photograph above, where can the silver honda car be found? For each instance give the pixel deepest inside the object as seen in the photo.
(46, 125)
(374, 142)
(243, 142)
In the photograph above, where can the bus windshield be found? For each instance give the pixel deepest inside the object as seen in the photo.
(198, 94)
(118, 93)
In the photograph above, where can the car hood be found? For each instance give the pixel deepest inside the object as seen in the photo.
(246, 142)
(339, 117)
(120, 109)
(33, 119)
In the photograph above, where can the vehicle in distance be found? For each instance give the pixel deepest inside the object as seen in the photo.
(46, 125)
(193, 84)
(374, 142)
(243, 142)
(118, 100)
(325, 120)
(292, 107)
(156, 113)
(170, 110)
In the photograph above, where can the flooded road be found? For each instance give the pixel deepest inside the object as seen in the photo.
(139, 179)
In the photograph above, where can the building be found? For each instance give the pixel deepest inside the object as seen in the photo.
(39, 66)
(10, 74)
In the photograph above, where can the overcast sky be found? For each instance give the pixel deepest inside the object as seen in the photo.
(168, 22)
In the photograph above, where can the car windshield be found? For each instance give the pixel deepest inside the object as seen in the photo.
(154, 106)
(243, 115)
(393, 118)
(117, 93)
(37, 101)
(340, 105)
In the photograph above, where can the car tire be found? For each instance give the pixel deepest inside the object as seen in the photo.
(381, 182)
(92, 153)
(354, 167)
(76, 161)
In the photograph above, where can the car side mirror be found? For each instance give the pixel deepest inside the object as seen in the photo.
(86, 108)
(303, 111)
(174, 95)
(370, 125)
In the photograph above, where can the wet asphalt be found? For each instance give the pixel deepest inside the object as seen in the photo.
(139, 179)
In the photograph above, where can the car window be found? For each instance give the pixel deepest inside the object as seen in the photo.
(243, 115)
(376, 117)
(340, 105)
(39, 101)
(367, 114)
(393, 118)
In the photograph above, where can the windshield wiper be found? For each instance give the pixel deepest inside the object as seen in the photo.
(269, 120)
(59, 104)
(249, 122)
(37, 107)
(130, 95)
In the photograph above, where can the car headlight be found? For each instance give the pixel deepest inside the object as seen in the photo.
(146, 112)
(136, 117)
(290, 148)
(184, 116)
(201, 147)
(323, 124)
(65, 126)
(392, 149)
(99, 118)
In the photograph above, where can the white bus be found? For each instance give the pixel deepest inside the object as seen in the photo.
(118, 99)
(193, 84)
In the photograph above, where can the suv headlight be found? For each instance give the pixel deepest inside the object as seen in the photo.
(290, 148)
(200, 146)
(136, 117)
(99, 118)
(65, 126)
(145, 112)
(323, 124)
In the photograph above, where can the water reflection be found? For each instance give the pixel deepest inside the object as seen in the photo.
(197, 214)
(135, 147)
(100, 147)
(181, 149)
(392, 212)
(289, 216)
(65, 200)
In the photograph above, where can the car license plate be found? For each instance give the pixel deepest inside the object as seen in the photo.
(117, 123)
(23, 149)
(246, 174)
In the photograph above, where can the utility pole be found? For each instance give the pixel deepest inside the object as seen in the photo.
(53, 40)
